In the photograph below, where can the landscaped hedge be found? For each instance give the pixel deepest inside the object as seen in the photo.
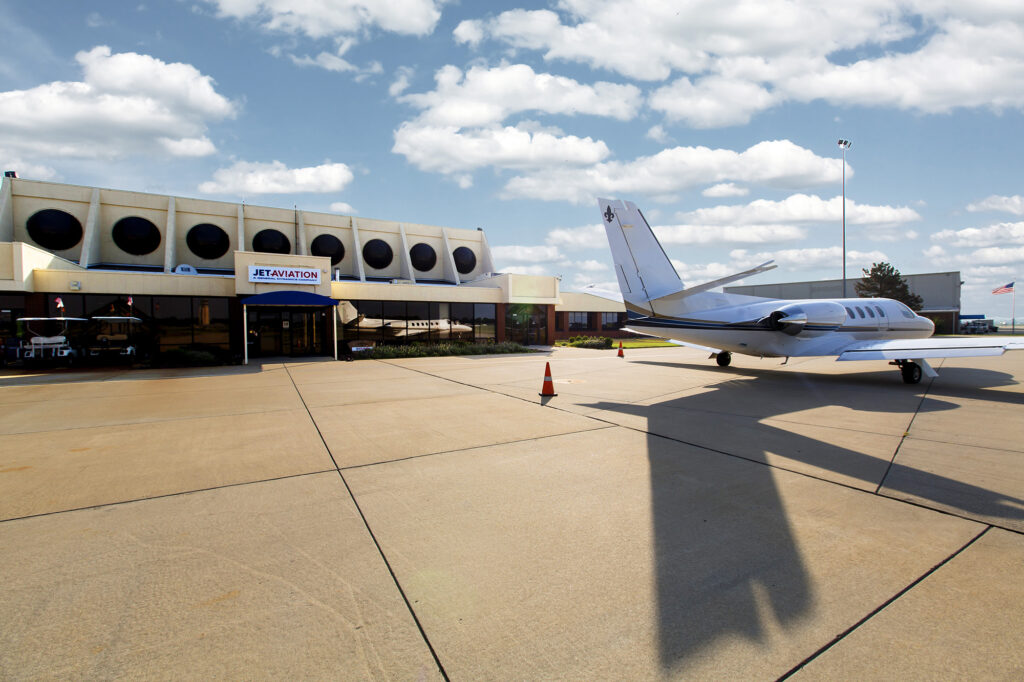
(586, 342)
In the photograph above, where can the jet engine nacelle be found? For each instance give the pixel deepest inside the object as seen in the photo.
(794, 318)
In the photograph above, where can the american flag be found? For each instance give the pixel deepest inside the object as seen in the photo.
(60, 303)
(1005, 289)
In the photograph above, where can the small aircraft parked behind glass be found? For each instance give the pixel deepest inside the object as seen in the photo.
(850, 328)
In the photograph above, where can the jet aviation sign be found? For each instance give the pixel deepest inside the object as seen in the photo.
(278, 275)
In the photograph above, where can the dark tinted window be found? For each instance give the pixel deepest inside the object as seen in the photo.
(881, 313)
(74, 305)
(54, 230)
(378, 254)
(207, 241)
(870, 313)
(850, 314)
(271, 241)
(465, 260)
(423, 257)
(328, 246)
(859, 311)
(486, 314)
(136, 235)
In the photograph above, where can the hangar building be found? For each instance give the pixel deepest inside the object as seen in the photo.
(198, 273)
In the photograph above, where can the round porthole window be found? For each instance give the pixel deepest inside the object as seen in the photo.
(377, 254)
(271, 241)
(136, 235)
(423, 257)
(328, 246)
(55, 230)
(207, 241)
(465, 260)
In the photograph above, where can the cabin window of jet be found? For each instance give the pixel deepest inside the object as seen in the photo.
(881, 313)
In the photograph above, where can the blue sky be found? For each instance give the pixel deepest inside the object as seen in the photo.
(720, 119)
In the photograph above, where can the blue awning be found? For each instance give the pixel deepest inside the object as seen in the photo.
(290, 298)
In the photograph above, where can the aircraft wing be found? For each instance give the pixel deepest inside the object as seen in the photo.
(706, 349)
(677, 342)
(919, 349)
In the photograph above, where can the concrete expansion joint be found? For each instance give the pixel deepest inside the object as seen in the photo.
(842, 635)
(475, 447)
(179, 493)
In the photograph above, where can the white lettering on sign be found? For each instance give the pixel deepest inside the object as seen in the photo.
(279, 275)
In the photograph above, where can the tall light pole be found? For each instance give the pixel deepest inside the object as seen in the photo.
(844, 145)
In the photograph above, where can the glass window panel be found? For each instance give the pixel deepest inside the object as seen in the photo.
(610, 321)
(579, 321)
(462, 321)
(74, 306)
(440, 322)
(367, 325)
(173, 317)
(212, 326)
(394, 326)
(485, 315)
(103, 304)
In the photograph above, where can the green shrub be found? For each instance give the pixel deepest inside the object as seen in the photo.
(586, 342)
(441, 349)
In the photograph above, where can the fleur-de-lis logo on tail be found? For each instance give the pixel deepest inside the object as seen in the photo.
(608, 215)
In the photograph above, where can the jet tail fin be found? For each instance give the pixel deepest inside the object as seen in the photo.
(641, 266)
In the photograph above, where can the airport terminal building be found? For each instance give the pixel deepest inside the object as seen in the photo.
(257, 281)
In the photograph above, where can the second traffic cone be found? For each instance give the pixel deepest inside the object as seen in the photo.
(548, 387)
(620, 350)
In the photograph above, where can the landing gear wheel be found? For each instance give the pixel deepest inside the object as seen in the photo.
(911, 372)
(724, 358)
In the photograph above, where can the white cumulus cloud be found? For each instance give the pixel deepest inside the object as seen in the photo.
(777, 163)
(1014, 204)
(247, 178)
(453, 151)
(725, 189)
(127, 103)
(336, 17)
(974, 237)
(734, 58)
(484, 96)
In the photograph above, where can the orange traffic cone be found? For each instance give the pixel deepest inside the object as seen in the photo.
(620, 350)
(547, 389)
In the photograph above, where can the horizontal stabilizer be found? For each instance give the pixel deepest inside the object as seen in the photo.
(680, 295)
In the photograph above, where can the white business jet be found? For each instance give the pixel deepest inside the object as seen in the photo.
(850, 328)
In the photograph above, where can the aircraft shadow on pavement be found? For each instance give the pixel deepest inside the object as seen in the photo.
(725, 557)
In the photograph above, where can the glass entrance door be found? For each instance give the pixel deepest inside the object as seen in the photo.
(294, 332)
(526, 324)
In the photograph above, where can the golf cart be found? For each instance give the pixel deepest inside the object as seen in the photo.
(112, 336)
(48, 339)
